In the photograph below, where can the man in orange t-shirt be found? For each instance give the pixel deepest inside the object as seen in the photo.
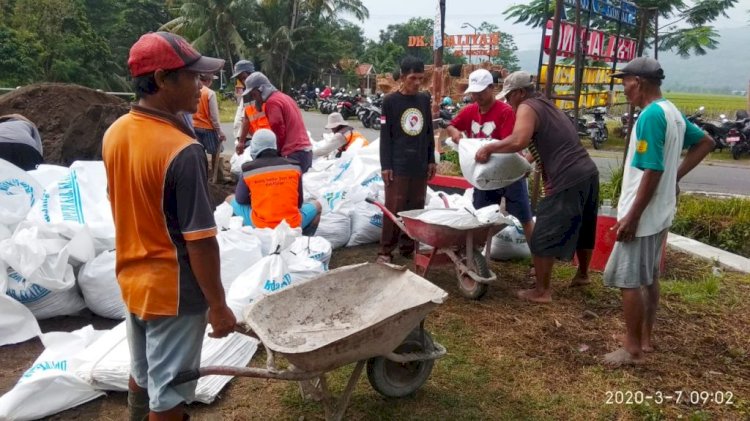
(207, 126)
(167, 262)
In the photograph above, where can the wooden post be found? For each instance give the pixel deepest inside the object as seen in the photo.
(645, 18)
(541, 47)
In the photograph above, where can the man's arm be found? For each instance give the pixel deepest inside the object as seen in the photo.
(213, 111)
(627, 226)
(242, 192)
(458, 125)
(326, 146)
(519, 140)
(386, 143)
(244, 130)
(275, 115)
(188, 175)
(695, 155)
(238, 119)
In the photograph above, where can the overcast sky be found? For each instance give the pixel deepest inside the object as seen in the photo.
(385, 12)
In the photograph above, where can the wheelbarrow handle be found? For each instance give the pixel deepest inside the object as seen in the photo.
(444, 197)
(396, 220)
(186, 376)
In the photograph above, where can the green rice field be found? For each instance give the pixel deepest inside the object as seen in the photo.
(715, 104)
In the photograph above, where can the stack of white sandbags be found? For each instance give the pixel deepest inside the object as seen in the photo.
(280, 269)
(80, 366)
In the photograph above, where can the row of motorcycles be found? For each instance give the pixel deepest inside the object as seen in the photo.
(348, 104)
(728, 134)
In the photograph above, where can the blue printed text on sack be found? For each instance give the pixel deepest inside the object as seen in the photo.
(61, 365)
(272, 285)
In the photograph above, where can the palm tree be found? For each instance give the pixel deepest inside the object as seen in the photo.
(286, 22)
(212, 26)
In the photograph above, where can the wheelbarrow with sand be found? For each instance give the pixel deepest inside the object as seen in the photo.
(368, 314)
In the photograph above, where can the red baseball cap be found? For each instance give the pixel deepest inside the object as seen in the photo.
(167, 51)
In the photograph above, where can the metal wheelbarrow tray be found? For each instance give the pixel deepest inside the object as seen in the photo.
(346, 315)
(448, 244)
(367, 313)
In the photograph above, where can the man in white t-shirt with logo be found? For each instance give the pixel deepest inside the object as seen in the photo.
(648, 202)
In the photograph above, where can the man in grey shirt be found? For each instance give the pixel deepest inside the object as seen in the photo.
(20, 143)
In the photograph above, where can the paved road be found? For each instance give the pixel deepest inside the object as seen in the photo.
(715, 176)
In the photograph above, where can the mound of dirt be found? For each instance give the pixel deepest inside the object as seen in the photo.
(71, 118)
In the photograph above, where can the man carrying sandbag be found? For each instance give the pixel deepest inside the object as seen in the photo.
(489, 118)
(167, 255)
(344, 136)
(566, 216)
(270, 189)
(407, 153)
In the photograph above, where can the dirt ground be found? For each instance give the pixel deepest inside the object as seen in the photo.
(71, 118)
(512, 360)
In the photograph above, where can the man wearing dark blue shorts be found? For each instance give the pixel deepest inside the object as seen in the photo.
(488, 118)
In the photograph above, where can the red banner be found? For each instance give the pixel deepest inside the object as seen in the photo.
(599, 45)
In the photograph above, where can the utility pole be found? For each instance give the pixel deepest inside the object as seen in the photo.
(437, 71)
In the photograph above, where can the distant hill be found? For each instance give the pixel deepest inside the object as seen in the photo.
(723, 70)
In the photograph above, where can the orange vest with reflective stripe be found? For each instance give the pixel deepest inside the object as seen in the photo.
(274, 191)
(202, 117)
(257, 119)
(352, 137)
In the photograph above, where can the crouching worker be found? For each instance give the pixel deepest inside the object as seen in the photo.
(344, 136)
(270, 190)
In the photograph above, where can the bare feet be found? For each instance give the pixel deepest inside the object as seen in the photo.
(646, 345)
(622, 357)
(579, 280)
(535, 295)
(384, 258)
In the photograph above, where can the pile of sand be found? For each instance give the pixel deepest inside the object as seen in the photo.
(71, 119)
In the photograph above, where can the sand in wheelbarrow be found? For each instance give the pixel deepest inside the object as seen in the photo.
(71, 119)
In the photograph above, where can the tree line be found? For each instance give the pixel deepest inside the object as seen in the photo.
(295, 41)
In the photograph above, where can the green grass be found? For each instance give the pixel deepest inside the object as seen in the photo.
(702, 291)
(723, 223)
(227, 109)
(688, 103)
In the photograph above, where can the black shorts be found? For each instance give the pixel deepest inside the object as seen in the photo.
(566, 221)
(209, 139)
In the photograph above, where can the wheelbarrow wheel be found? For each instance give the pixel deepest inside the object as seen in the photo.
(470, 288)
(396, 380)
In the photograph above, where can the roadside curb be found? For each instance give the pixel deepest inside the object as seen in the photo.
(725, 259)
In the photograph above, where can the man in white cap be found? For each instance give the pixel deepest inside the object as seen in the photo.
(566, 216)
(647, 202)
(344, 136)
(270, 189)
(285, 120)
(489, 118)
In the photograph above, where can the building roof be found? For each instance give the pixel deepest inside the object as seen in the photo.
(364, 69)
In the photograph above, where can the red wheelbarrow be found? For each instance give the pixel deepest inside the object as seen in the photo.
(448, 244)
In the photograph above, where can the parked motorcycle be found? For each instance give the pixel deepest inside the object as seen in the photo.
(624, 121)
(368, 109)
(348, 106)
(597, 129)
(738, 138)
(579, 123)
